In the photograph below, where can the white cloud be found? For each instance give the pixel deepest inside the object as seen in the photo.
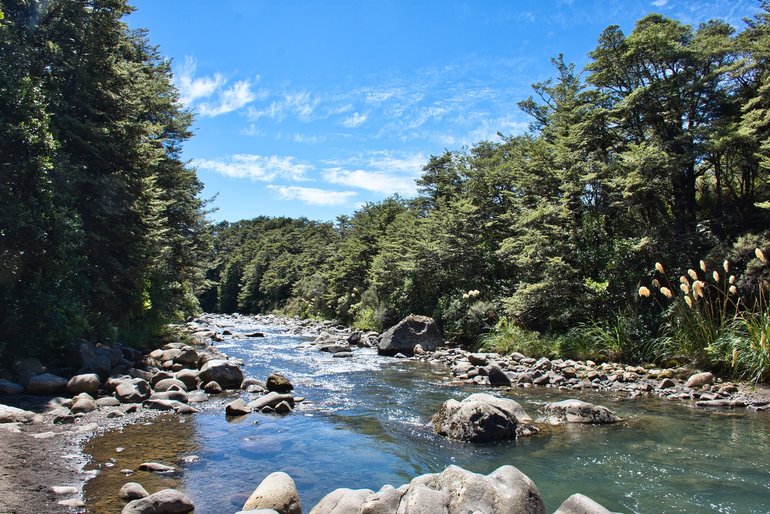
(381, 171)
(220, 99)
(376, 181)
(356, 120)
(192, 88)
(301, 104)
(312, 195)
(660, 3)
(257, 167)
(231, 99)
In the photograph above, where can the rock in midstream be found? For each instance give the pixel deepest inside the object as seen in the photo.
(409, 332)
(482, 417)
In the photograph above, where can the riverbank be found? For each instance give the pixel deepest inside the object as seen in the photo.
(445, 360)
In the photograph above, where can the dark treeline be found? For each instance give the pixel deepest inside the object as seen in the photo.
(102, 233)
(657, 151)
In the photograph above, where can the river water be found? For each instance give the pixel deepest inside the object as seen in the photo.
(365, 423)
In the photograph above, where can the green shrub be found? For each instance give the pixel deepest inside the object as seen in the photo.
(507, 337)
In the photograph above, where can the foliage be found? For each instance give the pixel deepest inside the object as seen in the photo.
(656, 150)
(103, 234)
(507, 337)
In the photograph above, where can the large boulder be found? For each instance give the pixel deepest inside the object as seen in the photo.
(225, 373)
(87, 358)
(132, 390)
(581, 504)
(46, 384)
(189, 377)
(167, 501)
(698, 380)
(278, 492)
(455, 490)
(409, 332)
(85, 383)
(278, 383)
(577, 411)
(482, 417)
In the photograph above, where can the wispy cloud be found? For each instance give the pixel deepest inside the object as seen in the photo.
(257, 167)
(231, 99)
(380, 171)
(192, 88)
(356, 120)
(375, 181)
(300, 104)
(659, 3)
(219, 98)
(312, 195)
(304, 138)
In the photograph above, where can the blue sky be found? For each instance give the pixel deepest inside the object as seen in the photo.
(312, 108)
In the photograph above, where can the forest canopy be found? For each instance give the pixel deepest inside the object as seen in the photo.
(102, 231)
(657, 151)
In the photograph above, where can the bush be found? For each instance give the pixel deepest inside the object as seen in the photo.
(624, 338)
(507, 337)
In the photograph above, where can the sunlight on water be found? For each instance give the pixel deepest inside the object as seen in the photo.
(366, 423)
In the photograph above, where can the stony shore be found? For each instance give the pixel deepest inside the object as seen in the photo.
(44, 433)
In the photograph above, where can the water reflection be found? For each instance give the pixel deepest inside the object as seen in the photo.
(167, 440)
(366, 423)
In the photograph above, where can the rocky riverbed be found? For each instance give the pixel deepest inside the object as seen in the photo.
(48, 432)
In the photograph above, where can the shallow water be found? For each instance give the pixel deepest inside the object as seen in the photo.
(366, 423)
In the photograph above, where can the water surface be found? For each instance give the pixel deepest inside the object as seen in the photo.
(366, 423)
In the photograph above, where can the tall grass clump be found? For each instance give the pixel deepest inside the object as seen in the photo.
(507, 337)
(623, 338)
(709, 322)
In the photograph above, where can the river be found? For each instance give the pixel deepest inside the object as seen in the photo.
(365, 423)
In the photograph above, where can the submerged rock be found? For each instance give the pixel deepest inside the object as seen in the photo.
(455, 490)
(132, 491)
(157, 467)
(409, 332)
(482, 417)
(278, 492)
(167, 501)
(577, 411)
